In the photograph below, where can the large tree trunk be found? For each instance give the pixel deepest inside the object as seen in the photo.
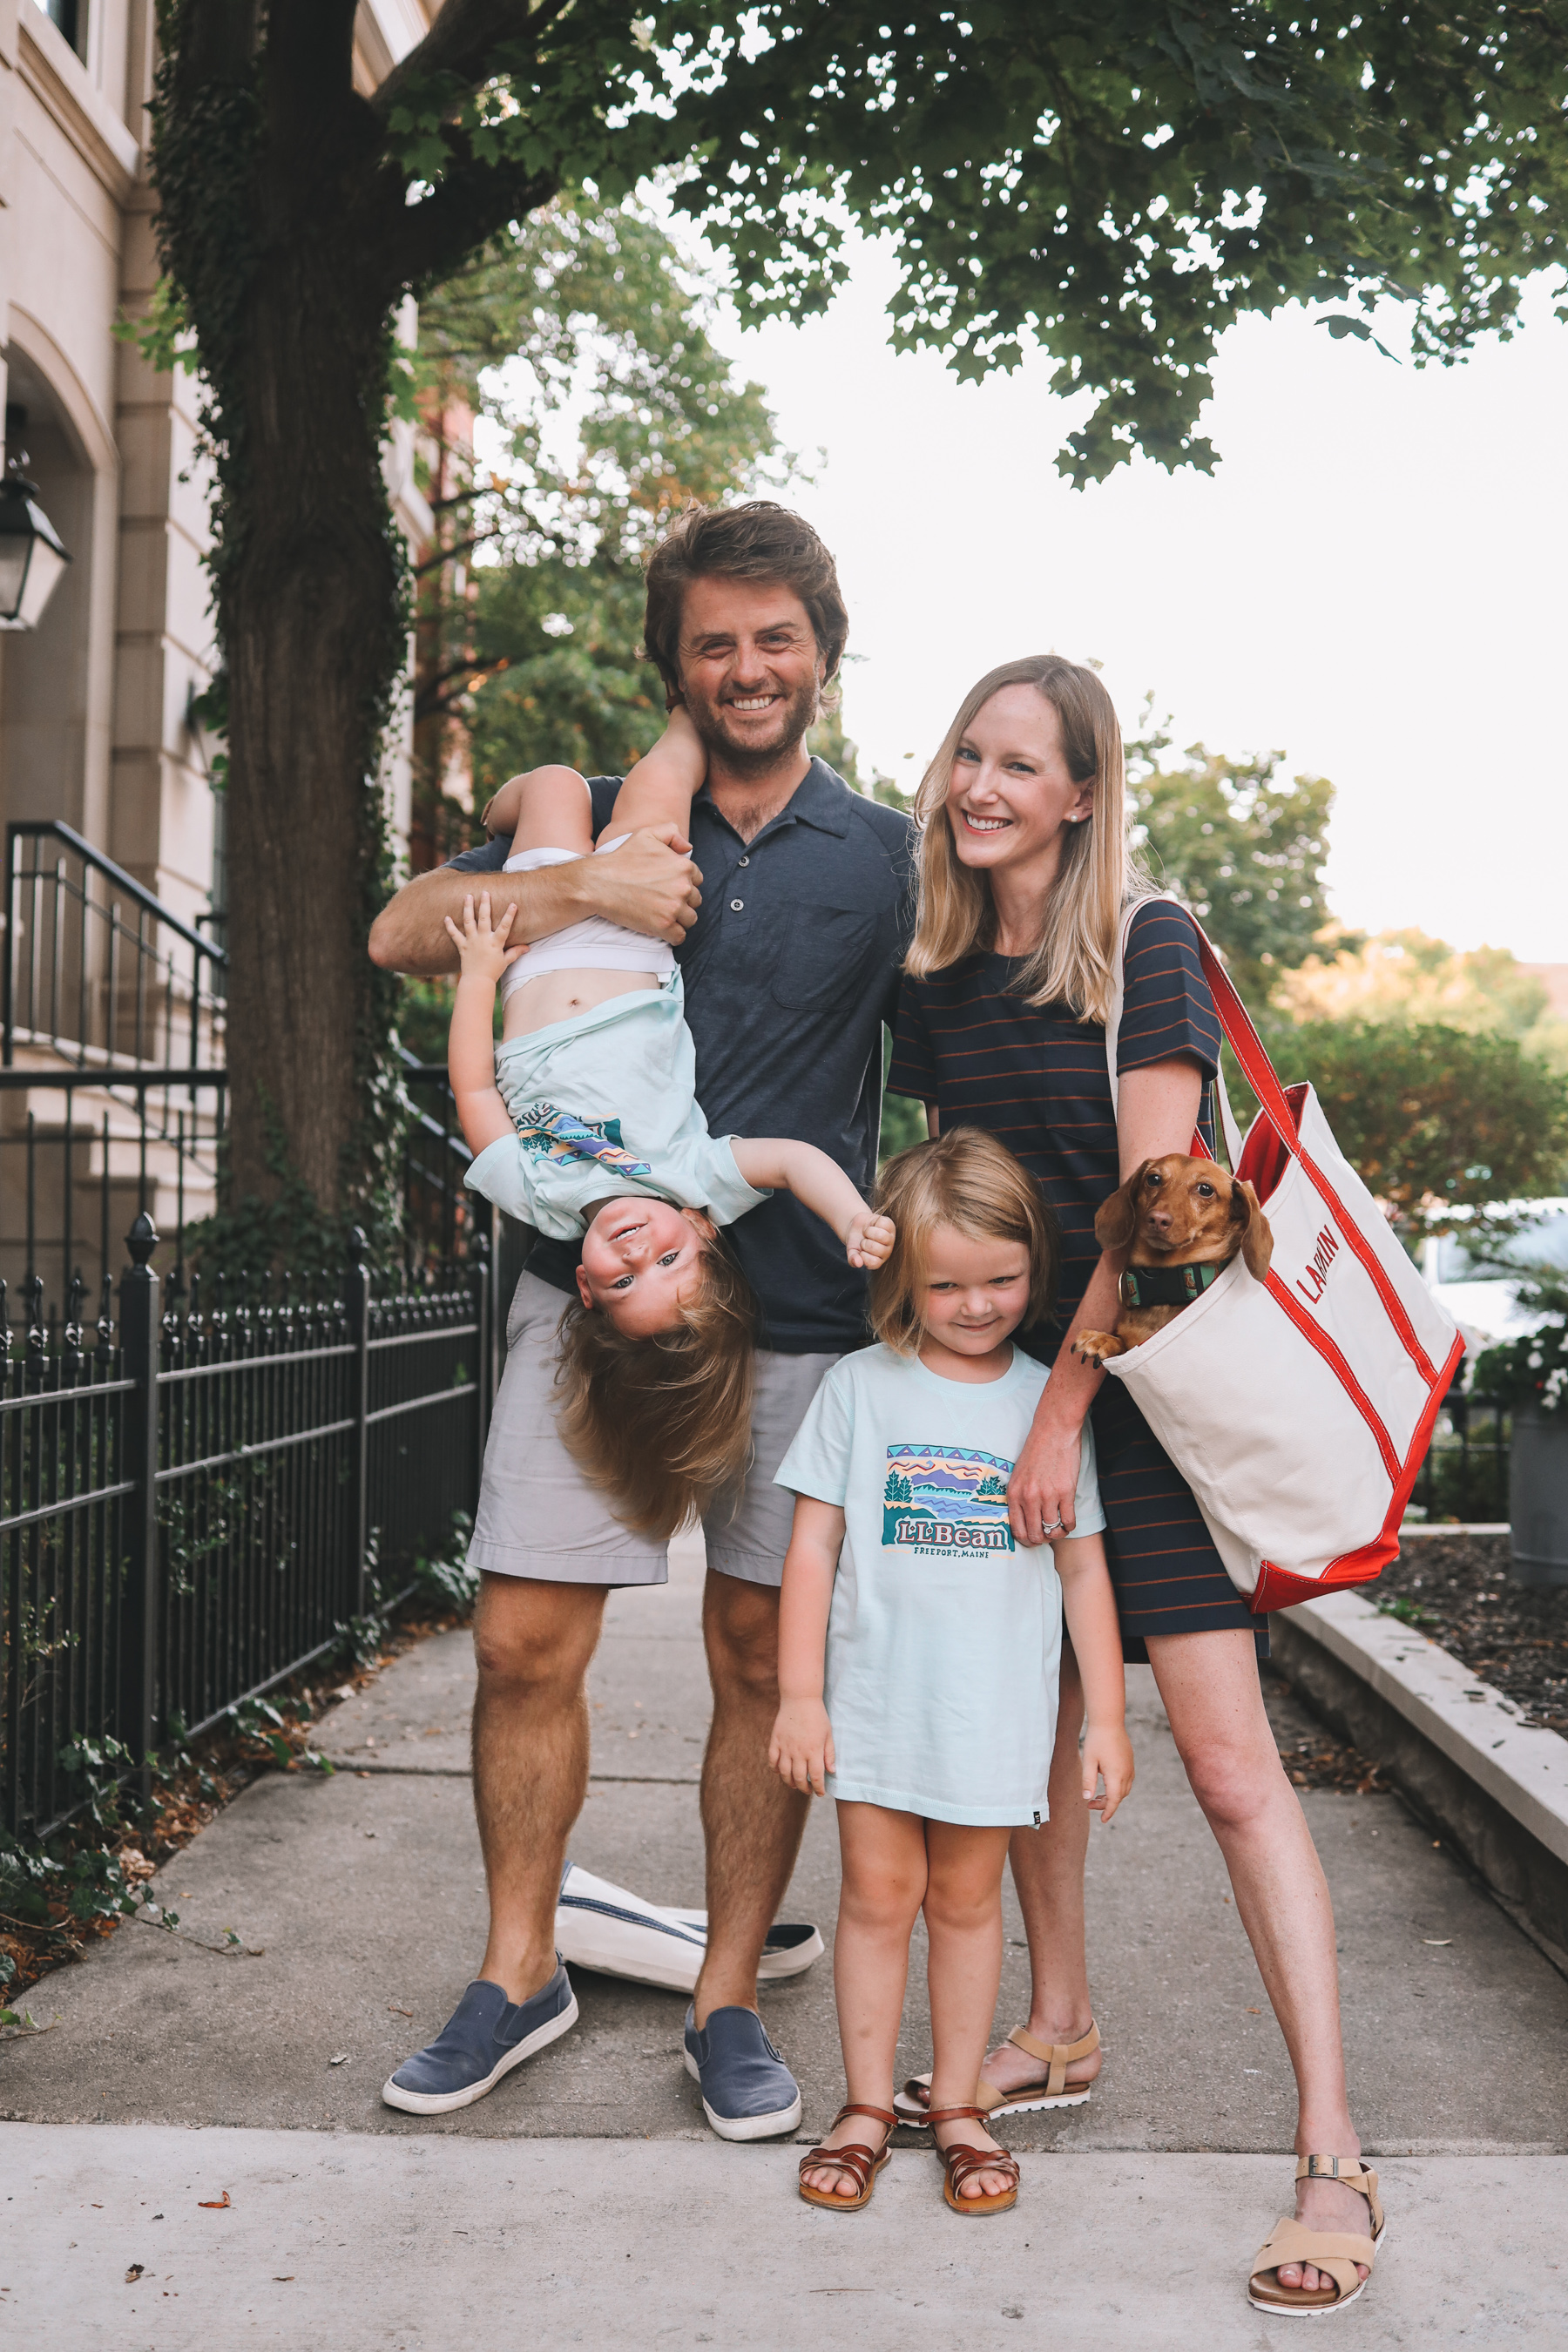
(285, 223)
(311, 624)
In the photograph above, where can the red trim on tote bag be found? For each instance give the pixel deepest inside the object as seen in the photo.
(1277, 1588)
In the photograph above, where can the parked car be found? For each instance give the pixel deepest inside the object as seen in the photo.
(1460, 1272)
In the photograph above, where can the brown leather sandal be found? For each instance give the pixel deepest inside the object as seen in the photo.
(964, 2159)
(860, 2162)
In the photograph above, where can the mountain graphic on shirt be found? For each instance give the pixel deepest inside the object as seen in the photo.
(561, 1134)
(947, 1498)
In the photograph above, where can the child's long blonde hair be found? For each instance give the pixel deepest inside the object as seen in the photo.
(664, 1422)
(971, 1181)
(1075, 963)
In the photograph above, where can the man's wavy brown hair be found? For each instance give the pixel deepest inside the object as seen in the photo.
(758, 540)
(663, 1422)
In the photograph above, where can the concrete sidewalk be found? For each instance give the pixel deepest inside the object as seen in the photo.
(335, 2239)
(366, 1894)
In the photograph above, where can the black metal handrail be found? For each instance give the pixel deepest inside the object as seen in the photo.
(68, 937)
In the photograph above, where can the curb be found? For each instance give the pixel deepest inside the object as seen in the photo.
(1497, 1788)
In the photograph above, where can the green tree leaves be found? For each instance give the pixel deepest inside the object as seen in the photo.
(1245, 850)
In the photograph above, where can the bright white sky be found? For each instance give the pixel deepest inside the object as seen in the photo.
(1372, 580)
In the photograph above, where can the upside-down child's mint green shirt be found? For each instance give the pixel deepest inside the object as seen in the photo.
(604, 1104)
(944, 1637)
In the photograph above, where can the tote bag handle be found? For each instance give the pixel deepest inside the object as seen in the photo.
(1213, 972)
(1274, 1105)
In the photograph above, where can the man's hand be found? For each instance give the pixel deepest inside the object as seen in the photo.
(800, 1751)
(649, 884)
(870, 1240)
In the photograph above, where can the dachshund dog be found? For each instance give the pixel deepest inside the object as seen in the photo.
(1185, 1220)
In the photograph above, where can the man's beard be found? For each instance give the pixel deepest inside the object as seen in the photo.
(795, 715)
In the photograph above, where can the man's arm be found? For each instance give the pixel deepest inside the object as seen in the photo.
(649, 884)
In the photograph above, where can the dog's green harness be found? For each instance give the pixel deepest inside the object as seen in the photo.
(1167, 1286)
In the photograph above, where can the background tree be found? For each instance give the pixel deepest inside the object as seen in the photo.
(1411, 978)
(1433, 1119)
(582, 340)
(1115, 181)
(1243, 848)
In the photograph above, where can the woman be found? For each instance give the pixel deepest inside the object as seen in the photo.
(1025, 881)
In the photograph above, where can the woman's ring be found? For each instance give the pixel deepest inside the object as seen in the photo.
(1053, 1526)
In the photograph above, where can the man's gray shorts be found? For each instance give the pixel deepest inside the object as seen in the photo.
(538, 1515)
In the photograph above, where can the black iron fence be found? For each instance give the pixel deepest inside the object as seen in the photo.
(198, 1495)
(1465, 1474)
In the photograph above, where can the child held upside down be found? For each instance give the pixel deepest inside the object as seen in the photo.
(584, 1121)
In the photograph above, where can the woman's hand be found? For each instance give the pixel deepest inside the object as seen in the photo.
(800, 1751)
(1106, 1755)
(1042, 1490)
(870, 1240)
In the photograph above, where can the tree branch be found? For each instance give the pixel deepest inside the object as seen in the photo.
(462, 41)
(426, 241)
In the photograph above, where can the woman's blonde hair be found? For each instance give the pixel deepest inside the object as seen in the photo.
(971, 1181)
(664, 1422)
(1074, 963)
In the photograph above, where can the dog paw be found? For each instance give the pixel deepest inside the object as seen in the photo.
(1094, 1347)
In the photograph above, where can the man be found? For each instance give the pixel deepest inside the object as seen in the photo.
(790, 955)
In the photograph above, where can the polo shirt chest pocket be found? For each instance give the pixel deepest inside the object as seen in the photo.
(823, 954)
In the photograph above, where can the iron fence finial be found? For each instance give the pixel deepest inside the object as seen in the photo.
(142, 1239)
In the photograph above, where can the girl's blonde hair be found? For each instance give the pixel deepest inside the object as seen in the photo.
(664, 1422)
(1074, 963)
(971, 1181)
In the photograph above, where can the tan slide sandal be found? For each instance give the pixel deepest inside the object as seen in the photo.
(860, 2162)
(963, 2160)
(1056, 2091)
(1335, 2252)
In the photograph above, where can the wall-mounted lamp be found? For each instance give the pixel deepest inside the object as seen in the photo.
(32, 557)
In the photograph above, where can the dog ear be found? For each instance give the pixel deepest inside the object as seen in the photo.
(1118, 1219)
(1257, 1238)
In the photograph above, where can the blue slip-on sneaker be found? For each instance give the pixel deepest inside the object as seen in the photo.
(485, 2037)
(748, 2092)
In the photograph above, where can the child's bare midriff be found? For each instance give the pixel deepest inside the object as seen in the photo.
(560, 995)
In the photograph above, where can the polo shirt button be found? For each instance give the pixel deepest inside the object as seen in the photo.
(743, 861)
(736, 905)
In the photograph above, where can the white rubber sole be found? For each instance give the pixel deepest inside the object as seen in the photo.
(1320, 2310)
(910, 2113)
(441, 2103)
(785, 2119)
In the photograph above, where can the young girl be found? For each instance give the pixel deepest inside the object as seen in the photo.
(920, 1645)
(584, 1122)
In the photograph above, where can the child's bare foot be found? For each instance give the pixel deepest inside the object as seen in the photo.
(864, 2131)
(973, 2134)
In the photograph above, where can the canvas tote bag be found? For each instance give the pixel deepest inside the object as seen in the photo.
(1299, 1408)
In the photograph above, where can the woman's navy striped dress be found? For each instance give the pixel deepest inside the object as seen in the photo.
(1037, 1077)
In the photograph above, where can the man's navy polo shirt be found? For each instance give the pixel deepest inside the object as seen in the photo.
(790, 970)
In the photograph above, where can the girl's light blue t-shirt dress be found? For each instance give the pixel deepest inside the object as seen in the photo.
(944, 1639)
